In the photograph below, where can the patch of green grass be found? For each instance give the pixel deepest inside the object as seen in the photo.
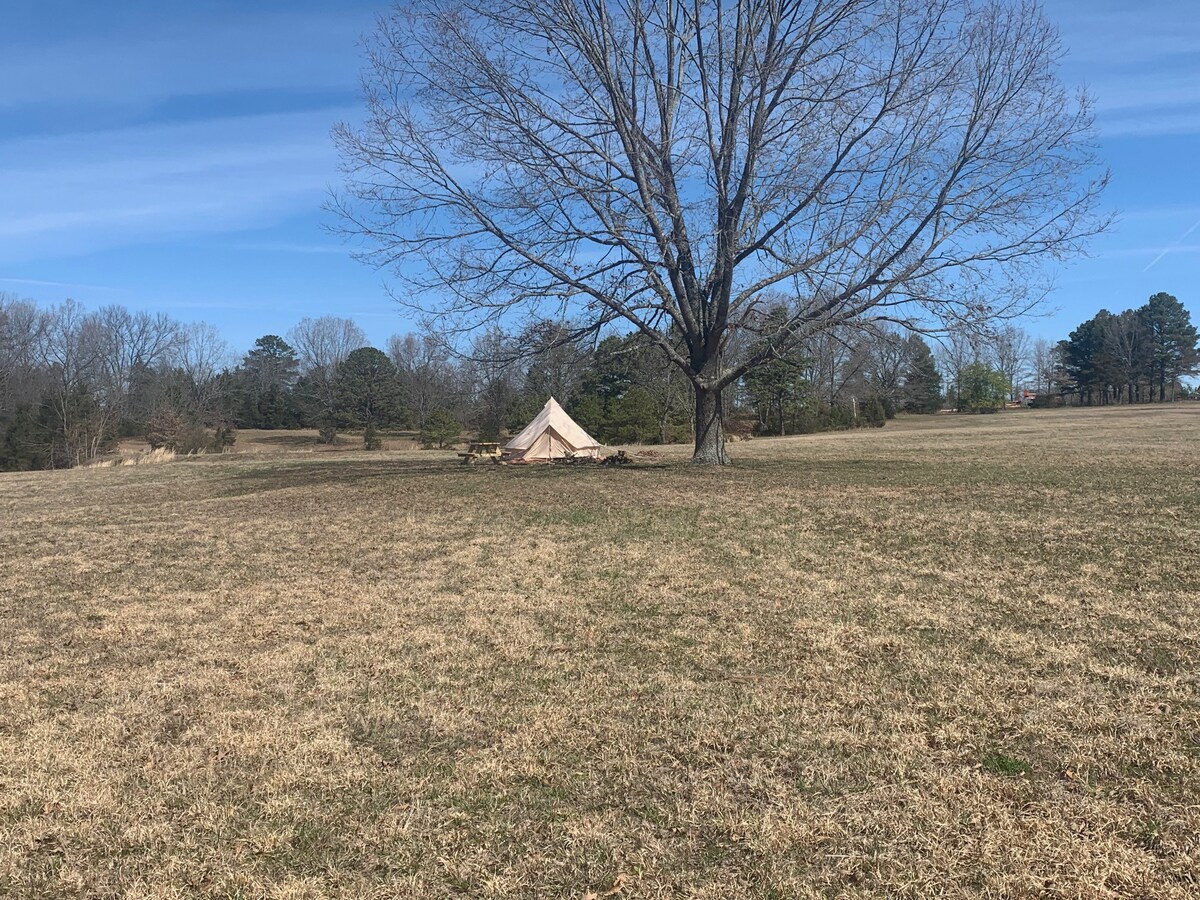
(1009, 766)
(1150, 836)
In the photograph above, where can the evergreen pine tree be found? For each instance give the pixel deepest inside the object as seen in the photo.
(1173, 341)
(922, 380)
(267, 375)
(368, 394)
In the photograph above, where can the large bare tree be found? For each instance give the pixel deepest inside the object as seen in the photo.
(667, 163)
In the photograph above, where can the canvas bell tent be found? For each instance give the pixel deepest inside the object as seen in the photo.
(551, 435)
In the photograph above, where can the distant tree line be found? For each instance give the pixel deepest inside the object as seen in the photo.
(73, 382)
(1136, 356)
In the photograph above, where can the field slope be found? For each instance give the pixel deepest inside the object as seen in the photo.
(955, 657)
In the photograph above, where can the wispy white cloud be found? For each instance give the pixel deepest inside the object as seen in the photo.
(1148, 102)
(1150, 123)
(1138, 61)
(1148, 250)
(68, 193)
(288, 247)
(1115, 32)
(1146, 91)
(1160, 213)
(37, 282)
(73, 194)
(171, 55)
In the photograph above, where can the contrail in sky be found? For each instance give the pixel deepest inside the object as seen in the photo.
(1167, 250)
(68, 284)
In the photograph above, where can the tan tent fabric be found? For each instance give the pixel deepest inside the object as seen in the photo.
(551, 435)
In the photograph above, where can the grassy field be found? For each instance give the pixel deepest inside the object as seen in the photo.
(955, 657)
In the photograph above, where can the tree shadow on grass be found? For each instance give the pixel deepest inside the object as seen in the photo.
(456, 478)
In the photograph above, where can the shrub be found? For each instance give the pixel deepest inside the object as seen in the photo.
(151, 458)
(371, 438)
(224, 437)
(167, 431)
(874, 413)
(683, 433)
(192, 439)
(840, 417)
(981, 389)
(441, 428)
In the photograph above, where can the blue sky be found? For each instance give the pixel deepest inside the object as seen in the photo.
(176, 156)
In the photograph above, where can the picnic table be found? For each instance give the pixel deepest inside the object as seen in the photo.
(478, 450)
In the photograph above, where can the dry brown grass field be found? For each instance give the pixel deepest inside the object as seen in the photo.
(956, 657)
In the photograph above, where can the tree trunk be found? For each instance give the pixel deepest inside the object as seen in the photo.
(664, 420)
(710, 429)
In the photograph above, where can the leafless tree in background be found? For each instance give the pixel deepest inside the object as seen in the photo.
(322, 345)
(490, 376)
(125, 343)
(1043, 362)
(556, 362)
(958, 348)
(426, 374)
(833, 365)
(71, 352)
(202, 355)
(1009, 346)
(22, 330)
(325, 343)
(665, 163)
(885, 355)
